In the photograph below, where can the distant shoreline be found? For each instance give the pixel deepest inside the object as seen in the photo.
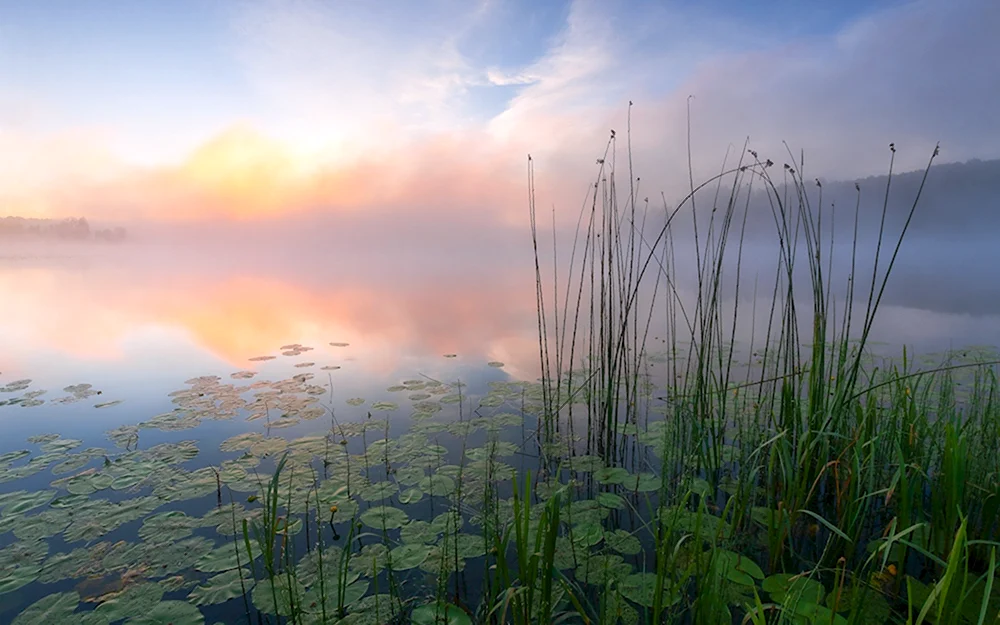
(71, 229)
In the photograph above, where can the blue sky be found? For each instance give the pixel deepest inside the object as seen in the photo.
(94, 90)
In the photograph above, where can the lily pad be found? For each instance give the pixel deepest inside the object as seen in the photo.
(439, 485)
(623, 542)
(276, 588)
(611, 475)
(411, 495)
(737, 568)
(408, 556)
(222, 587)
(133, 600)
(24, 501)
(170, 613)
(54, 608)
(439, 613)
(378, 491)
(385, 517)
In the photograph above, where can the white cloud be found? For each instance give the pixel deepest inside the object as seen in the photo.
(914, 74)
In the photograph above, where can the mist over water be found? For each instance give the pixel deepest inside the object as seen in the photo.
(401, 289)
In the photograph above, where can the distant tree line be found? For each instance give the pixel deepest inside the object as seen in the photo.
(70, 229)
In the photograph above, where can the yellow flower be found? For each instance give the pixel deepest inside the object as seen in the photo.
(333, 509)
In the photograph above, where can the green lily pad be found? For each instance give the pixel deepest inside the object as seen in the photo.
(737, 568)
(222, 558)
(24, 501)
(586, 464)
(411, 495)
(54, 608)
(623, 542)
(277, 588)
(439, 485)
(370, 560)
(610, 500)
(611, 475)
(439, 613)
(378, 491)
(384, 517)
(409, 556)
(222, 587)
(138, 599)
(639, 588)
(17, 576)
(642, 483)
(791, 590)
(587, 534)
(598, 569)
(418, 532)
(170, 613)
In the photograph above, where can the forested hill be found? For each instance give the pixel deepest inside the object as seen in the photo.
(959, 201)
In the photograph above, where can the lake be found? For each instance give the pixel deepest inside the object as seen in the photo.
(149, 391)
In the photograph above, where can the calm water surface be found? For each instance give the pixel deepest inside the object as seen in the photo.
(141, 325)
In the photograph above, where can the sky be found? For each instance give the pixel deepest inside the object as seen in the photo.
(196, 110)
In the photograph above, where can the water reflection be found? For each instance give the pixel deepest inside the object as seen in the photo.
(120, 308)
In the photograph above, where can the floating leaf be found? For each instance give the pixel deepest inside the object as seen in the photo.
(22, 501)
(408, 556)
(785, 588)
(495, 363)
(370, 559)
(610, 500)
(418, 532)
(54, 608)
(611, 475)
(587, 534)
(411, 495)
(386, 517)
(277, 589)
(378, 491)
(221, 588)
(737, 568)
(13, 577)
(623, 542)
(222, 558)
(439, 485)
(133, 600)
(169, 613)
(439, 613)
(642, 483)
(598, 569)
(355, 401)
(586, 464)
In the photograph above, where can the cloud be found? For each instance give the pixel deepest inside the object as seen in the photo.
(384, 110)
(501, 79)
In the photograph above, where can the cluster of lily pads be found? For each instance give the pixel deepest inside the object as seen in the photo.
(350, 525)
